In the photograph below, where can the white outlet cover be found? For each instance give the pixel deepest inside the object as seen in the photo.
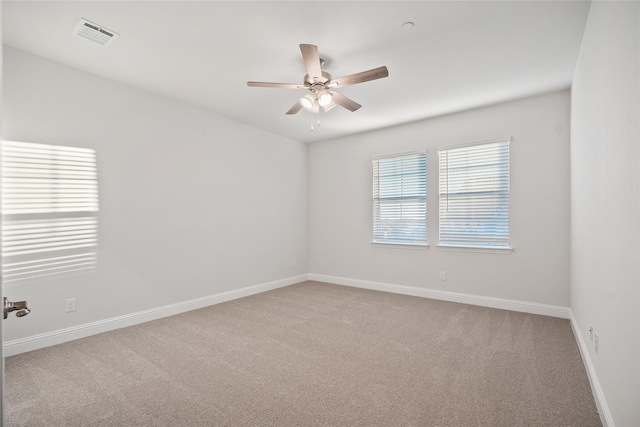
(69, 305)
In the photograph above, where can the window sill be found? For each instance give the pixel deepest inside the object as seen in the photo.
(478, 249)
(398, 245)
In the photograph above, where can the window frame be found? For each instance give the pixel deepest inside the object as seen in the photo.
(499, 245)
(395, 242)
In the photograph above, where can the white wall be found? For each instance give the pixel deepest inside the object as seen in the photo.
(605, 202)
(191, 204)
(340, 209)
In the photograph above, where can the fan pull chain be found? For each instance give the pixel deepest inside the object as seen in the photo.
(313, 112)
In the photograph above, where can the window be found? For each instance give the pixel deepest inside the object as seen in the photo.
(49, 211)
(400, 199)
(474, 195)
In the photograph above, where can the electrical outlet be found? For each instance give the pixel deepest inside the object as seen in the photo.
(69, 305)
(591, 332)
(294, 264)
(443, 275)
(597, 342)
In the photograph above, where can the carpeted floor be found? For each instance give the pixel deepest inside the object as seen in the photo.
(312, 354)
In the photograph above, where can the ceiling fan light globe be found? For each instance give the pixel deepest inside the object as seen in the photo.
(324, 99)
(306, 103)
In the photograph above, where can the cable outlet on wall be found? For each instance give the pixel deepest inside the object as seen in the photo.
(69, 305)
(443, 275)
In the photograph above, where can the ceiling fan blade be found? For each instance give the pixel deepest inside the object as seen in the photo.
(282, 85)
(344, 101)
(365, 76)
(296, 107)
(311, 61)
(329, 106)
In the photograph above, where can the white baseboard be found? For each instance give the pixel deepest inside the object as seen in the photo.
(60, 336)
(598, 394)
(501, 303)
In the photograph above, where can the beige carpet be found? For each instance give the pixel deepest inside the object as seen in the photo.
(312, 354)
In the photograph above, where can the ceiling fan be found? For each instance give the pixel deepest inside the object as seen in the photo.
(321, 86)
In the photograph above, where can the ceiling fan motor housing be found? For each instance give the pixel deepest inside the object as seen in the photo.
(310, 81)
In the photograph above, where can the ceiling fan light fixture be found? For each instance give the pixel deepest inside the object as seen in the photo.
(306, 102)
(324, 99)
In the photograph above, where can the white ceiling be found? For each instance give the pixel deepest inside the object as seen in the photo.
(459, 55)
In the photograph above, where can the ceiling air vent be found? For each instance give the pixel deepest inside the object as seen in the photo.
(94, 33)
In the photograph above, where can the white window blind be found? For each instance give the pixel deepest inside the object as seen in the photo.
(49, 210)
(400, 199)
(474, 195)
